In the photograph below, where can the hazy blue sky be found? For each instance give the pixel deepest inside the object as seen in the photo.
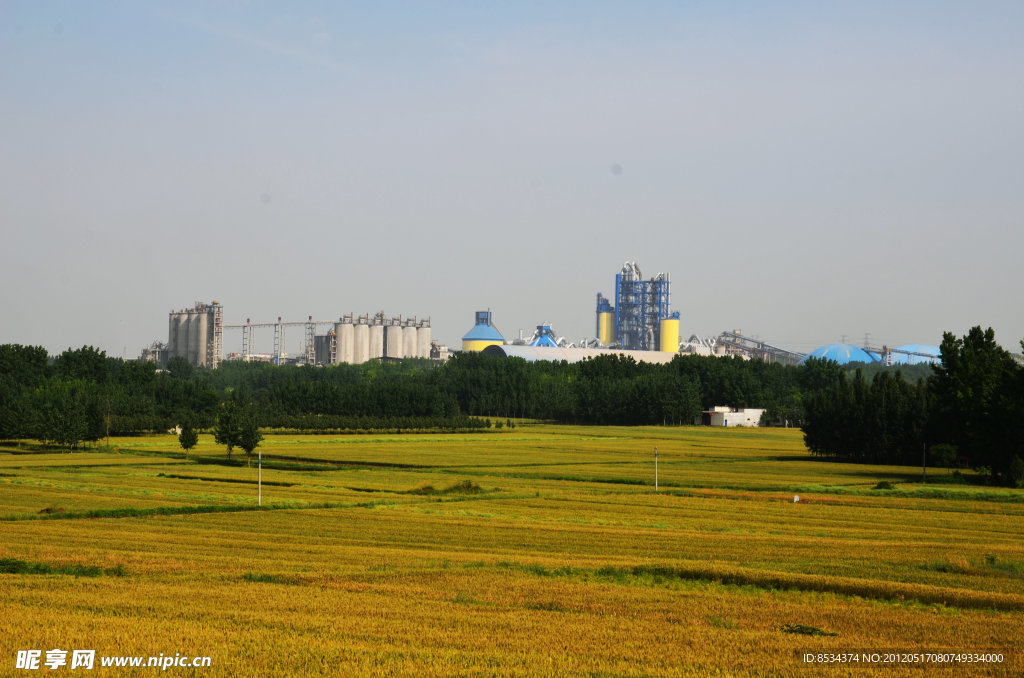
(803, 170)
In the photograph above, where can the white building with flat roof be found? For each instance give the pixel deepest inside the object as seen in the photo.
(728, 416)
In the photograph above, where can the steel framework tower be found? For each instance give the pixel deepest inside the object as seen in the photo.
(247, 340)
(310, 338)
(640, 306)
(217, 336)
(279, 346)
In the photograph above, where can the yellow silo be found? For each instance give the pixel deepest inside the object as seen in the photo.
(606, 328)
(670, 334)
(605, 321)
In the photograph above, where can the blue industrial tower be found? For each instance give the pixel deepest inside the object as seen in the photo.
(641, 319)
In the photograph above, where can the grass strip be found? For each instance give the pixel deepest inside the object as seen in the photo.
(462, 487)
(268, 578)
(15, 566)
(460, 495)
(660, 575)
(244, 481)
(180, 510)
(342, 462)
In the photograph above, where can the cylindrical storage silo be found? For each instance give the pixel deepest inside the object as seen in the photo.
(344, 332)
(606, 327)
(172, 335)
(193, 339)
(182, 323)
(392, 341)
(423, 341)
(202, 322)
(181, 335)
(669, 339)
(375, 347)
(360, 344)
(483, 334)
(409, 341)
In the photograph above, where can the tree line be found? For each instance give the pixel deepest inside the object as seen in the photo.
(969, 408)
(82, 395)
(968, 411)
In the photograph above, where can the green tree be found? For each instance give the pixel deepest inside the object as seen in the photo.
(249, 436)
(1015, 473)
(188, 437)
(86, 363)
(60, 416)
(180, 368)
(228, 430)
(22, 370)
(977, 406)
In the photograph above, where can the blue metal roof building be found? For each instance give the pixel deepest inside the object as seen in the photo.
(842, 354)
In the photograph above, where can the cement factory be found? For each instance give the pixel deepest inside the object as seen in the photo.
(640, 324)
(197, 335)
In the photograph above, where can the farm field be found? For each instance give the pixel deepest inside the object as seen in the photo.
(543, 550)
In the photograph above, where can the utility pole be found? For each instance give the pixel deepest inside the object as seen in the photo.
(655, 469)
(259, 479)
(924, 467)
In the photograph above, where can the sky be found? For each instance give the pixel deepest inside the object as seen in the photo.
(804, 171)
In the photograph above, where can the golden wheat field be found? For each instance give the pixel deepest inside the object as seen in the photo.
(539, 551)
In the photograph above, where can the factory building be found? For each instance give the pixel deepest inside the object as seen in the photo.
(154, 353)
(356, 340)
(483, 334)
(196, 334)
(640, 320)
(572, 354)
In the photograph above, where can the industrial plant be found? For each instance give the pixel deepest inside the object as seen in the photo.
(641, 319)
(197, 335)
(356, 340)
(640, 324)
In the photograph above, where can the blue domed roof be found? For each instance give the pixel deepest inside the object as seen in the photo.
(926, 349)
(483, 333)
(842, 354)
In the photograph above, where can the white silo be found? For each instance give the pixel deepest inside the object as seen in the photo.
(193, 338)
(375, 347)
(181, 334)
(360, 343)
(423, 340)
(201, 321)
(344, 333)
(409, 340)
(172, 334)
(392, 341)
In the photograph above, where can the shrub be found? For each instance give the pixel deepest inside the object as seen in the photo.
(805, 630)
(1015, 474)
